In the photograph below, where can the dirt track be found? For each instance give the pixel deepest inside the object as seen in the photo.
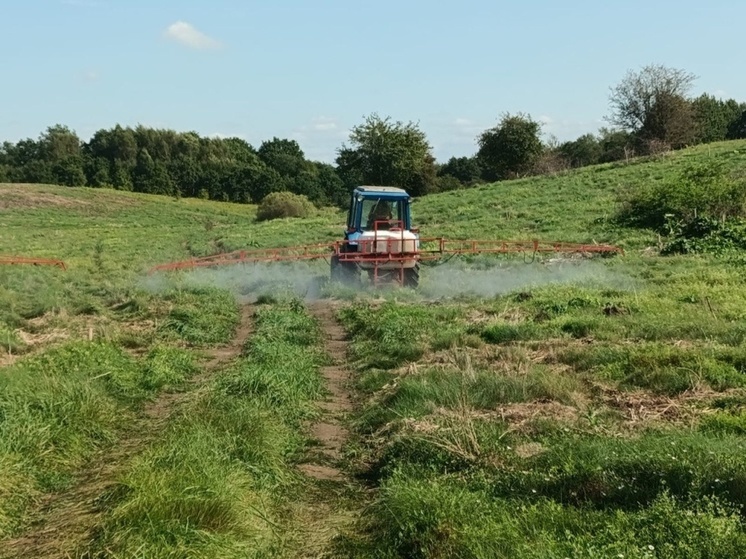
(329, 431)
(66, 519)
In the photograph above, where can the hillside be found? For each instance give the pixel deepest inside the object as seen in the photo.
(549, 409)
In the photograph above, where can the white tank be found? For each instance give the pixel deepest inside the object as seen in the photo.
(390, 242)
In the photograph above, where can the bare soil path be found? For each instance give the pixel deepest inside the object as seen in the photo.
(65, 520)
(334, 499)
(330, 430)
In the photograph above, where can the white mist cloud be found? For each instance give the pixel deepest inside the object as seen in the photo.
(189, 36)
(249, 281)
(455, 279)
(452, 279)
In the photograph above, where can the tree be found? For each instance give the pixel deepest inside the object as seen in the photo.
(616, 145)
(331, 184)
(511, 148)
(466, 169)
(669, 121)
(586, 150)
(387, 153)
(284, 156)
(151, 176)
(737, 129)
(714, 117)
(634, 99)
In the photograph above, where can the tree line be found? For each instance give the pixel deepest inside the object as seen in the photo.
(651, 111)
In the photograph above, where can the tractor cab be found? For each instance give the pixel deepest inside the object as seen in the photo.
(377, 208)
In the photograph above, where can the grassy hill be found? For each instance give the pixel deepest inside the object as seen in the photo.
(571, 409)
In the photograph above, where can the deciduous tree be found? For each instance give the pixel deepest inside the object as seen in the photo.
(511, 148)
(634, 99)
(388, 153)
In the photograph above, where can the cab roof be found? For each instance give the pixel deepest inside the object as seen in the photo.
(391, 190)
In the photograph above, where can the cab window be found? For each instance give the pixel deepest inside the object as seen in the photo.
(380, 210)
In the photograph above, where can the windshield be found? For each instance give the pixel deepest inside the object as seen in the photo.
(380, 210)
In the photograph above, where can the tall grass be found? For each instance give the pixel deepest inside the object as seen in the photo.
(58, 407)
(427, 517)
(200, 316)
(220, 480)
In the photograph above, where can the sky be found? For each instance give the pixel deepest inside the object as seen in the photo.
(310, 71)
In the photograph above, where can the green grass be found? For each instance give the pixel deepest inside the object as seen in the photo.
(58, 408)
(424, 517)
(498, 420)
(220, 481)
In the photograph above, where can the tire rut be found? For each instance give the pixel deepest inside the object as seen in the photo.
(330, 430)
(66, 520)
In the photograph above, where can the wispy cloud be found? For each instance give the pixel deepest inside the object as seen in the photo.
(189, 36)
(320, 138)
(90, 76)
(225, 136)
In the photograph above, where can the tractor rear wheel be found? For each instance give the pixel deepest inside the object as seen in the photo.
(412, 276)
(346, 273)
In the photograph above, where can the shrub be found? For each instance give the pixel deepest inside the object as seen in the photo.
(284, 204)
(700, 190)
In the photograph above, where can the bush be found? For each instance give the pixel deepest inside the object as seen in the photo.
(700, 190)
(284, 204)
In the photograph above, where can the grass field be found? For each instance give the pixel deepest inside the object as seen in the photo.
(582, 408)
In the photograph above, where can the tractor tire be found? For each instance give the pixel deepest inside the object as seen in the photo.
(412, 276)
(346, 273)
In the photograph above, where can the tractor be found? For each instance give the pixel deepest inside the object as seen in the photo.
(379, 239)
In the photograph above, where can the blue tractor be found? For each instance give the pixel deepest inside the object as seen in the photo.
(379, 239)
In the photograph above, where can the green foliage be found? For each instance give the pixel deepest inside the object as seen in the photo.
(201, 316)
(661, 368)
(586, 150)
(715, 117)
(670, 122)
(466, 170)
(634, 99)
(392, 334)
(387, 153)
(218, 482)
(511, 148)
(284, 204)
(706, 235)
(169, 163)
(427, 517)
(701, 190)
(504, 332)
(418, 395)
(737, 129)
(59, 407)
(725, 422)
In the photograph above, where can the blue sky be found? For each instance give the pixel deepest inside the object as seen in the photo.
(312, 70)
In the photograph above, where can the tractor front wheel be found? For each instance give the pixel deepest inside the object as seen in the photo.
(344, 272)
(412, 276)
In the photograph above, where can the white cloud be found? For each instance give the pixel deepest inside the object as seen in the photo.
(186, 34)
(90, 76)
(322, 123)
(320, 138)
